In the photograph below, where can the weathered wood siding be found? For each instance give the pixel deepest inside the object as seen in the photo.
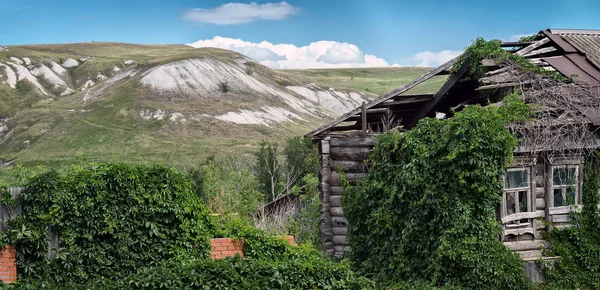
(339, 155)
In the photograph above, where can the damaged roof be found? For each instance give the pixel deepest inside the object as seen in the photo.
(572, 53)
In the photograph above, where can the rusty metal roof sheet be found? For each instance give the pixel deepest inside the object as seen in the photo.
(568, 68)
(585, 41)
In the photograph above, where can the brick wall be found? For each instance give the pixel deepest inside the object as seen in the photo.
(8, 269)
(227, 247)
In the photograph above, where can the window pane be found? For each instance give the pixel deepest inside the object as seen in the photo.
(572, 177)
(510, 203)
(558, 198)
(571, 195)
(523, 201)
(517, 178)
(559, 176)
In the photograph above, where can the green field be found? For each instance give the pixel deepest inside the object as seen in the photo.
(377, 81)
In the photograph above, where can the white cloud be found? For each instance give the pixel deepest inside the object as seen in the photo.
(431, 59)
(236, 13)
(516, 37)
(320, 54)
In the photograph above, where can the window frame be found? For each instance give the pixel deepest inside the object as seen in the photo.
(578, 184)
(528, 189)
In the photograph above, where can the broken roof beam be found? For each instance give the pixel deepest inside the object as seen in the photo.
(533, 46)
(440, 94)
(516, 43)
(411, 99)
(541, 51)
(385, 97)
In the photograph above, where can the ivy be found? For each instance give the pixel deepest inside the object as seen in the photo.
(426, 209)
(481, 49)
(111, 220)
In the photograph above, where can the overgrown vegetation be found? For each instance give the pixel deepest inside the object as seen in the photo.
(111, 220)
(426, 210)
(579, 246)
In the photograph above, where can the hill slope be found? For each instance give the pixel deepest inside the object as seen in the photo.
(150, 103)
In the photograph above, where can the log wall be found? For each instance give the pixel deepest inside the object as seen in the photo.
(339, 155)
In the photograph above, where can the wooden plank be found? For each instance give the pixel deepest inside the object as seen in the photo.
(561, 218)
(527, 245)
(385, 97)
(342, 248)
(405, 100)
(539, 192)
(325, 146)
(518, 232)
(350, 153)
(533, 46)
(349, 166)
(540, 51)
(502, 85)
(530, 255)
(439, 95)
(523, 215)
(563, 209)
(351, 142)
(363, 114)
(335, 200)
(498, 71)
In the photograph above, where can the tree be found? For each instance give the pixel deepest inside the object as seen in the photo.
(268, 170)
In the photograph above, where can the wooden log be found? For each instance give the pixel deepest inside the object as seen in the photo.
(335, 200)
(328, 246)
(350, 153)
(353, 178)
(340, 231)
(519, 232)
(337, 190)
(540, 203)
(539, 192)
(351, 142)
(344, 249)
(336, 211)
(325, 207)
(329, 252)
(527, 245)
(339, 240)
(339, 221)
(349, 166)
(363, 114)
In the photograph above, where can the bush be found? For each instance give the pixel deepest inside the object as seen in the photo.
(426, 209)
(111, 219)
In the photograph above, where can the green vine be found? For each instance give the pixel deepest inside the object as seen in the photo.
(579, 246)
(110, 219)
(426, 209)
(481, 49)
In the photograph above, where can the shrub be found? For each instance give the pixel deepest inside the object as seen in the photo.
(224, 87)
(426, 209)
(111, 219)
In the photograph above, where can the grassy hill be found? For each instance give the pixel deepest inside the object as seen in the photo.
(170, 104)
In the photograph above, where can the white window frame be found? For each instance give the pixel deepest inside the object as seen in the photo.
(577, 185)
(516, 190)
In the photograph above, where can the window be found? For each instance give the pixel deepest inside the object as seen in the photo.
(517, 191)
(565, 185)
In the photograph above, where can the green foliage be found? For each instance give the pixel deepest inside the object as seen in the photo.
(481, 49)
(579, 246)
(304, 271)
(111, 219)
(528, 38)
(229, 191)
(304, 226)
(426, 210)
(268, 169)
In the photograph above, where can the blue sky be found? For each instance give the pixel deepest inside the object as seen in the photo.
(343, 33)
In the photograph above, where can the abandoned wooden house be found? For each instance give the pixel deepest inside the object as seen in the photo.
(548, 167)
